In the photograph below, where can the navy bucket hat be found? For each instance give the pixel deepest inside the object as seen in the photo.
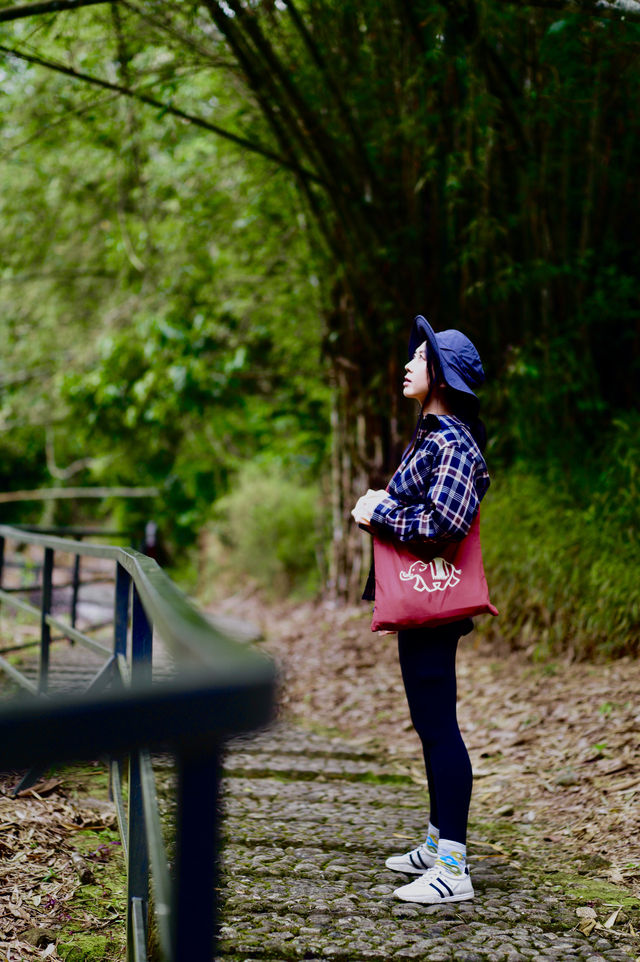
(458, 358)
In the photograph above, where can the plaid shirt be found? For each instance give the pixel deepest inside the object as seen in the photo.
(436, 491)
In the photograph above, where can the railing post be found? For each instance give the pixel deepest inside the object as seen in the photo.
(120, 634)
(141, 636)
(194, 909)
(138, 856)
(121, 611)
(75, 588)
(45, 630)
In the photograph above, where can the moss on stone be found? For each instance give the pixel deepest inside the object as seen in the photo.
(89, 948)
(583, 889)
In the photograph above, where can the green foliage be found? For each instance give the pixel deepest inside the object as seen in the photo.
(159, 301)
(562, 557)
(173, 307)
(272, 529)
(22, 465)
(553, 396)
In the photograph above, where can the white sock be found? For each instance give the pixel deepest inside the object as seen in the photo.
(433, 836)
(452, 856)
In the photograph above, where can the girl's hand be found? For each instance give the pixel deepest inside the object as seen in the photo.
(364, 507)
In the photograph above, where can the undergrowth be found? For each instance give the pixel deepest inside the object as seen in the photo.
(562, 553)
(560, 539)
(270, 530)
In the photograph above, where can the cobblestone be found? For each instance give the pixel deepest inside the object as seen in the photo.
(309, 821)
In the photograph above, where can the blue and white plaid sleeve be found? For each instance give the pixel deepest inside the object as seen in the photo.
(450, 502)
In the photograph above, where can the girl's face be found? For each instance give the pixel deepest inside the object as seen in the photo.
(416, 379)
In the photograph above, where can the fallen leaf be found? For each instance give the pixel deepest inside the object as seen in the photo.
(496, 848)
(490, 855)
(417, 776)
(41, 789)
(624, 786)
(567, 777)
(611, 921)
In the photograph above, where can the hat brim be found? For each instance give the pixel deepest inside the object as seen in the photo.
(422, 331)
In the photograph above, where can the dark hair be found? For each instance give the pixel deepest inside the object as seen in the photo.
(463, 406)
(434, 370)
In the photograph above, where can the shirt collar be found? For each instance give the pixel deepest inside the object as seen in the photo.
(428, 423)
(434, 422)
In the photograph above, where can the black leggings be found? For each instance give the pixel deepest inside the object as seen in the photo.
(428, 663)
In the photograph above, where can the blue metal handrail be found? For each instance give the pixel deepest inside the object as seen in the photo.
(218, 688)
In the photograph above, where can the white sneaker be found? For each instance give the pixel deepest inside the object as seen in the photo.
(416, 862)
(436, 886)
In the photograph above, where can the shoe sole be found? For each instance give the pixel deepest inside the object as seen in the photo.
(406, 871)
(450, 898)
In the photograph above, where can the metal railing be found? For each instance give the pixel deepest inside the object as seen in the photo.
(147, 542)
(217, 688)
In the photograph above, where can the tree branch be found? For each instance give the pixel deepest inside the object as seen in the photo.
(62, 474)
(53, 6)
(499, 80)
(166, 25)
(47, 494)
(277, 119)
(167, 109)
(604, 9)
(345, 113)
(305, 124)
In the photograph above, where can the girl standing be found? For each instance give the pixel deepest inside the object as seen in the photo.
(434, 496)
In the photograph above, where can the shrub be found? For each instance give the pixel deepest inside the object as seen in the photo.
(270, 529)
(563, 568)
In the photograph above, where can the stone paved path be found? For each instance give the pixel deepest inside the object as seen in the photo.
(308, 824)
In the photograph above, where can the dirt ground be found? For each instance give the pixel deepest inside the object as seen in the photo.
(62, 889)
(555, 746)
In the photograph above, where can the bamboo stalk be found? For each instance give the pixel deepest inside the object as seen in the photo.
(230, 31)
(345, 113)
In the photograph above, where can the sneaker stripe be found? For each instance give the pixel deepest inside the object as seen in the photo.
(423, 863)
(442, 882)
(414, 863)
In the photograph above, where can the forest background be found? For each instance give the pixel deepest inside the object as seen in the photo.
(217, 223)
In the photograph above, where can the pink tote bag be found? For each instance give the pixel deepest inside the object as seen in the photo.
(432, 584)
